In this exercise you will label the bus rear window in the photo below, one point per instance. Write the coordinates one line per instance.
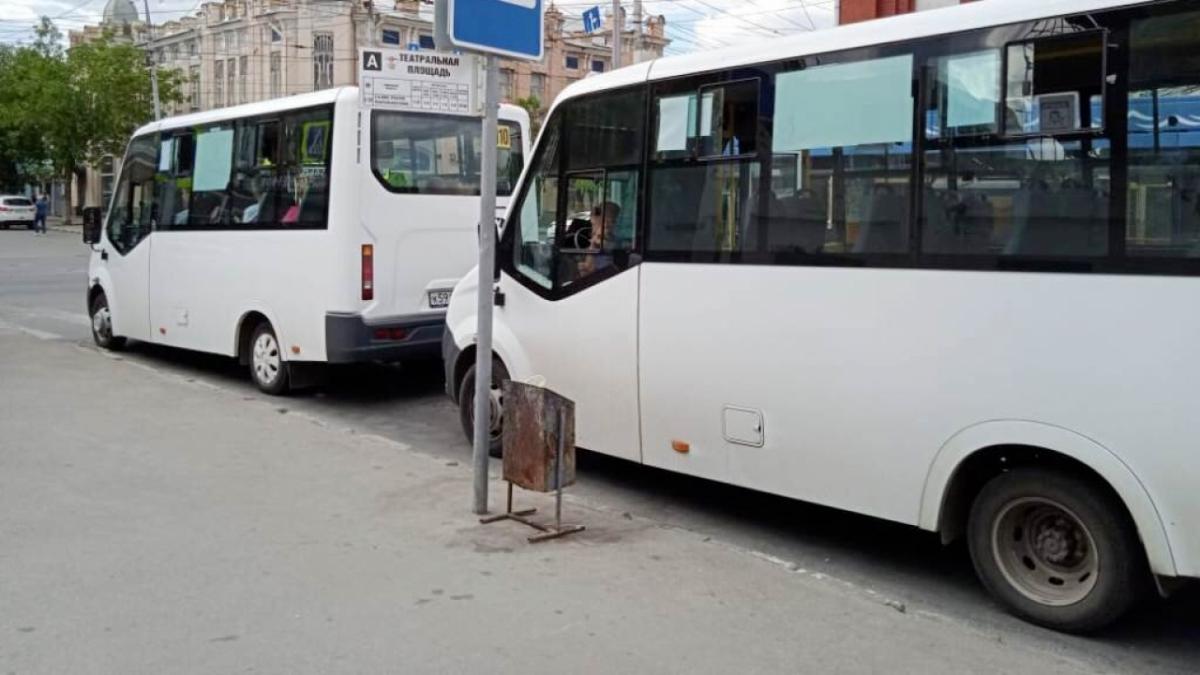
(440, 155)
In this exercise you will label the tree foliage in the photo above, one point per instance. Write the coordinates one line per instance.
(63, 108)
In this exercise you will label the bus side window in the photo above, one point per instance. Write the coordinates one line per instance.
(133, 212)
(1017, 166)
(604, 156)
(303, 177)
(174, 179)
(847, 166)
(709, 207)
(534, 221)
(1164, 137)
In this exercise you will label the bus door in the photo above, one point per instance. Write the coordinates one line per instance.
(570, 292)
(701, 359)
(125, 252)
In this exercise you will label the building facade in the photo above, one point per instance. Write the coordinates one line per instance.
(852, 11)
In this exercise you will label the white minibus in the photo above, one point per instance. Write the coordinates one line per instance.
(934, 269)
(295, 231)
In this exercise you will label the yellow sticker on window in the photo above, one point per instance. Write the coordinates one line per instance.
(504, 138)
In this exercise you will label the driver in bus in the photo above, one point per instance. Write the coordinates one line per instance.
(598, 254)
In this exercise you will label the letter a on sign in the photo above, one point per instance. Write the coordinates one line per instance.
(372, 61)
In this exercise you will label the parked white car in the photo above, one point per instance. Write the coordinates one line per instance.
(16, 210)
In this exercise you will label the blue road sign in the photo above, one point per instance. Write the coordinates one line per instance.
(592, 20)
(510, 28)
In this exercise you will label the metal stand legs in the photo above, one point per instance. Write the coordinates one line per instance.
(547, 533)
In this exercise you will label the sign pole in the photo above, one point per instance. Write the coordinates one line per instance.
(487, 260)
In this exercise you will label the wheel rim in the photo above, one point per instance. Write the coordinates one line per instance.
(102, 323)
(495, 412)
(1045, 551)
(266, 359)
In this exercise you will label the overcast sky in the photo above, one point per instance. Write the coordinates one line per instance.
(693, 24)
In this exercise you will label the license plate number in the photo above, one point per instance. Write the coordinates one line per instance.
(439, 299)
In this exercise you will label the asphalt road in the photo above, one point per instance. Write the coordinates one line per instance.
(42, 284)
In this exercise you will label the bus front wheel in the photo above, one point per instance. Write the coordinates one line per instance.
(466, 406)
(267, 366)
(1055, 549)
(102, 327)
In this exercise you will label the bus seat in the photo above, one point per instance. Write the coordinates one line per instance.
(885, 229)
(796, 224)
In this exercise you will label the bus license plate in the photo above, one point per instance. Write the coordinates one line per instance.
(439, 299)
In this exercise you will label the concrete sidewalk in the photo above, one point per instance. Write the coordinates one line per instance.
(154, 524)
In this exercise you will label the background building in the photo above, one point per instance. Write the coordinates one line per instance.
(851, 11)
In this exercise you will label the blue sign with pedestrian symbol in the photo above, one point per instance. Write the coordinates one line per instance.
(510, 28)
(592, 21)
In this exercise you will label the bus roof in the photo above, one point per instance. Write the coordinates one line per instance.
(276, 105)
(901, 28)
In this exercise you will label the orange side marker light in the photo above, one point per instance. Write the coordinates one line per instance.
(681, 447)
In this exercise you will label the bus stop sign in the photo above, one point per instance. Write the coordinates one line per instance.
(511, 28)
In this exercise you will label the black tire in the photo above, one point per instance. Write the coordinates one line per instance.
(102, 325)
(466, 406)
(268, 368)
(1093, 522)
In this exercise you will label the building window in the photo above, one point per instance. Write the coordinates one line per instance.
(537, 86)
(597, 66)
(507, 78)
(193, 47)
(322, 60)
(390, 37)
(572, 62)
(231, 81)
(276, 74)
(243, 62)
(194, 77)
(426, 42)
(276, 35)
(218, 84)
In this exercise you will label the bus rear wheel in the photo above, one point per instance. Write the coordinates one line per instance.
(466, 406)
(267, 366)
(1055, 549)
(102, 327)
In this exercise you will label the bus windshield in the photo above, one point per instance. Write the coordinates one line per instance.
(440, 155)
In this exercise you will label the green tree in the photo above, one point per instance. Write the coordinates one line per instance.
(533, 106)
(64, 109)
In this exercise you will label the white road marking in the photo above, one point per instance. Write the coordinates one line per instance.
(39, 334)
(74, 318)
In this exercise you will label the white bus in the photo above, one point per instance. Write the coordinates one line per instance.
(295, 231)
(933, 269)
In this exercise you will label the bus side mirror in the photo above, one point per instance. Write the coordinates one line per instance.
(91, 225)
(496, 250)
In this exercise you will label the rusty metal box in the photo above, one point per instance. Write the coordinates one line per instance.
(530, 438)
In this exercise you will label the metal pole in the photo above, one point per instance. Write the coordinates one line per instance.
(558, 467)
(616, 34)
(487, 259)
(153, 63)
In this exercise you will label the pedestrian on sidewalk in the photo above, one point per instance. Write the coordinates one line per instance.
(42, 207)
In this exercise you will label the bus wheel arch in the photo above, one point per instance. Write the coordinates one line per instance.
(245, 331)
(974, 456)
(464, 378)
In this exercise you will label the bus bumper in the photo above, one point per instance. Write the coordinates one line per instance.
(350, 338)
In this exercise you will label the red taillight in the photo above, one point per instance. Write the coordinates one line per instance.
(390, 334)
(3, 208)
(368, 272)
